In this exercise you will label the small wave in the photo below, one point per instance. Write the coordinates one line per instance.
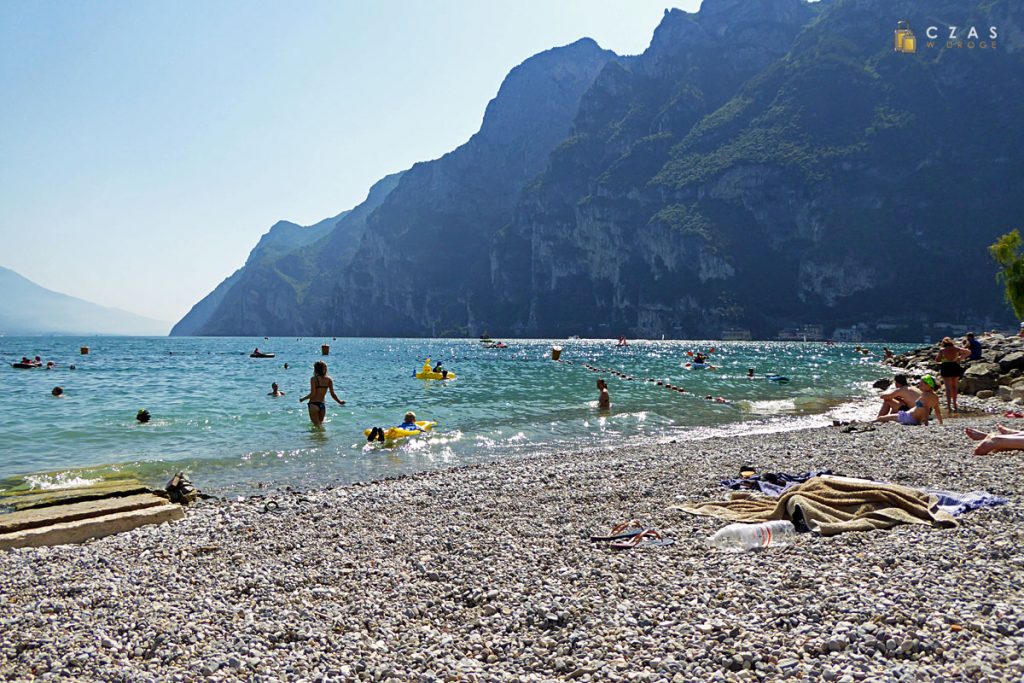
(55, 482)
(784, 406)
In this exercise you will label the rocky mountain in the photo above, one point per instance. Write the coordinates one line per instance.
(28, 309)
(764, 163)
(286, 255)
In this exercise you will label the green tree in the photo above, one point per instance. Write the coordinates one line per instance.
(1007, 253)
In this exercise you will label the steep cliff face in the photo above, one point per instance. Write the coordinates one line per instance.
(763, 163)
(282, 237)
(422, 267)
(270, 292)
(604, 249)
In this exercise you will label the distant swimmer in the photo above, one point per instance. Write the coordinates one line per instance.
(716, 399)
(285, 366)
(143, 416)
(57, 392)
(604, 399)
(319, 385)
(274, 391)
(50, 365)
(750, 373)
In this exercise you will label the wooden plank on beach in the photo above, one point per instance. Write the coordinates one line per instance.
(57, 514)
(38, 499)
(82, 530)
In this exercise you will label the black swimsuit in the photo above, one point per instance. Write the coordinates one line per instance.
(319, 404)
(951, 368)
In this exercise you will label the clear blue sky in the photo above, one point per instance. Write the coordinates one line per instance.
(145, 146)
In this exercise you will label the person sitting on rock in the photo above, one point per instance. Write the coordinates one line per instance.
(974, 345)
(901, 398)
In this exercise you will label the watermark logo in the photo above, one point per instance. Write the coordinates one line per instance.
(945, 38)
(903, 38)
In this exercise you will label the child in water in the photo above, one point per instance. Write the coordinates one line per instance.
(408, 424)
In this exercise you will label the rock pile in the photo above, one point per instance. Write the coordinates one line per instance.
(999, 373)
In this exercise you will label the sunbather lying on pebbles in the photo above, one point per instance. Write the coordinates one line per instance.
(1005, 439)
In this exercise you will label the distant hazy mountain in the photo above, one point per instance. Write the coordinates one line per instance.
(27, 308)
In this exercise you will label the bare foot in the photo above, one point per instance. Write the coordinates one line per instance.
(975, 434)
(985, 447)
(1006, 430)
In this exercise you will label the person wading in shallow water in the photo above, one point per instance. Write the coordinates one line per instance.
(319, 384)
(604, 400)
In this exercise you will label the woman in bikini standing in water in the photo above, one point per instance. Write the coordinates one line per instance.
(319, 385)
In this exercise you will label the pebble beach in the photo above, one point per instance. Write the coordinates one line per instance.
(486, 573)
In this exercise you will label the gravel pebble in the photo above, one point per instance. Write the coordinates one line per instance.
(486, 573)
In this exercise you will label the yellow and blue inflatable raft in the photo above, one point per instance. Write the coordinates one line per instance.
(396, 434)
(427, 372)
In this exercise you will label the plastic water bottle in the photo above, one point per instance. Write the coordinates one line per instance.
(740, 537)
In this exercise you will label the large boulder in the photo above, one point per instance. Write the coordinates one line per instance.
(979, 377)
(1012, 361)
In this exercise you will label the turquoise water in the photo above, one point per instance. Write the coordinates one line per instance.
(212, 416)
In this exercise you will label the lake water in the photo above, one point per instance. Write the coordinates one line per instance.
(212, 416)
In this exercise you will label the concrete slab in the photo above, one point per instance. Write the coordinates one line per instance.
(35, 499)
(82, 530)
(60, 514)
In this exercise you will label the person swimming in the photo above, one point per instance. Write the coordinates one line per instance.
(274, 391)
(319, 385)
(143, 416)
(57, 392)
(408, 424)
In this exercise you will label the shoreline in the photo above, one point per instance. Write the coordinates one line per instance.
(858, 407)
(484, 572)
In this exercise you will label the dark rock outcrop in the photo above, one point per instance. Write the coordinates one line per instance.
(1001, 365)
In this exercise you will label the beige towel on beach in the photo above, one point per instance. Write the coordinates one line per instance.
(832, 505)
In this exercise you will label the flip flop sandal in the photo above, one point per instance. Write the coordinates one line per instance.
(622, 531)
(649, 538)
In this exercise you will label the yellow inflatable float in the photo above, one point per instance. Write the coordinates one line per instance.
(396, 433)
(426, 372)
